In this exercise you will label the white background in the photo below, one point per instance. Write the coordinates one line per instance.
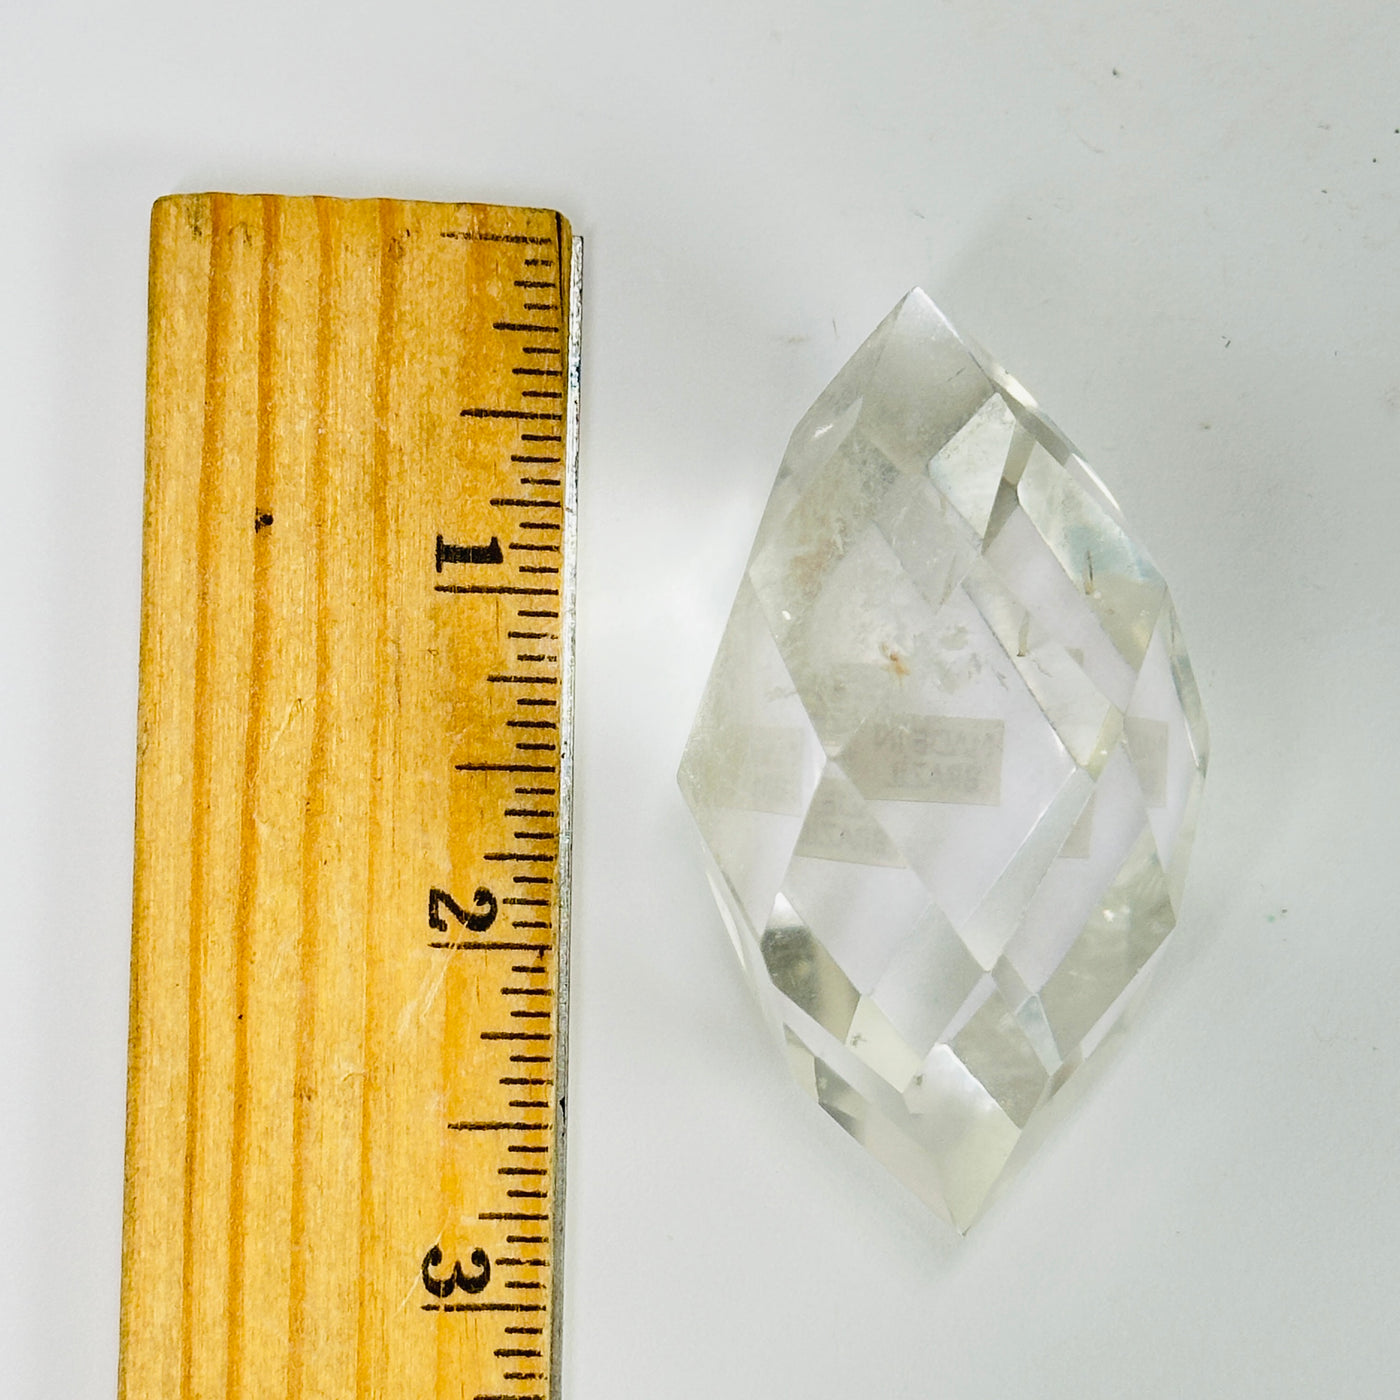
(1179, 225)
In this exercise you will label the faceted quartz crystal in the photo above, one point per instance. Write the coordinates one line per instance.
(948, 761)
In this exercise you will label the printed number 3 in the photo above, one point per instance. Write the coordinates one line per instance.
(445, 1286)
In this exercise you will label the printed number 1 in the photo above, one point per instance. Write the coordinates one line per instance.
(468, 553)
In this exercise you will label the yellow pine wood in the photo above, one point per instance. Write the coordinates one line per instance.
(298, 1049)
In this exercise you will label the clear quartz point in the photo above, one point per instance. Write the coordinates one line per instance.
(948, 761)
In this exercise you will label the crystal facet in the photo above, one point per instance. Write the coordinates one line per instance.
(948, 761)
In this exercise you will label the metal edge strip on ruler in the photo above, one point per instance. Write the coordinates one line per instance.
(566, 813)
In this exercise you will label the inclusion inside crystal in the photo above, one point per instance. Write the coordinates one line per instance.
(948, 761)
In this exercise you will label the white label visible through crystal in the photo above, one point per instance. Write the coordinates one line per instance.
(929, 758)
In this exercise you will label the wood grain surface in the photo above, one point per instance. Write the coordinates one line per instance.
(344, 1103)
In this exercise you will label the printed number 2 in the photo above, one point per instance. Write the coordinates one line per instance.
(478, 921)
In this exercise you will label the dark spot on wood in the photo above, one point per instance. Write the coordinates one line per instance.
(263, 520)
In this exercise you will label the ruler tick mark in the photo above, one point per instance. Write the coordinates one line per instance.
(488, 1307)
(472, 237)
(507, 589)
(526, 413)
(491, 947)
(502, 1127)
(505, 768)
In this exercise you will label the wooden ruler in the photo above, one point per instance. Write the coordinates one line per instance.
(345, 1124)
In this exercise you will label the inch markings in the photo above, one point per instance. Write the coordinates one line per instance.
(518, 582)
